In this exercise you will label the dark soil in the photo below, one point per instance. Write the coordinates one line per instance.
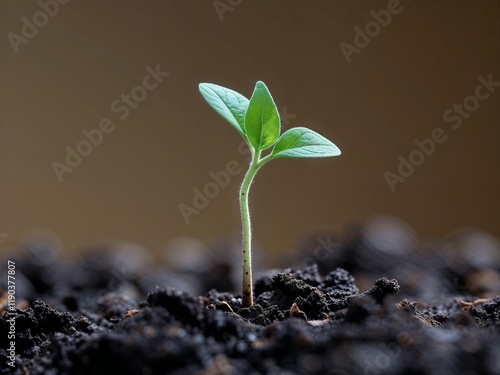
(85, 318)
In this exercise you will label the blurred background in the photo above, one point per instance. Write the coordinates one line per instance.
(131, 68)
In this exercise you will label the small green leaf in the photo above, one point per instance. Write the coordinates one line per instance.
(227, 103)
(303, 143)
(262, 120)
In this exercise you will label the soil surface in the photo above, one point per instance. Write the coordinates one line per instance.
(417, 312)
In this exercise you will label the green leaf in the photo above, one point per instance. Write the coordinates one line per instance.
(303, 143)
(227, 103)
(262, 120)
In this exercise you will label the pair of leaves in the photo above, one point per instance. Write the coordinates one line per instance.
(258, 122)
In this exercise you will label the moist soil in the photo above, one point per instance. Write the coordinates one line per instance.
(427, 315)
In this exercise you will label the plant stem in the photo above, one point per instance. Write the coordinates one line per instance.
(247, 293)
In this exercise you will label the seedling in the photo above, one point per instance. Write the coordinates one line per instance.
(258, 122)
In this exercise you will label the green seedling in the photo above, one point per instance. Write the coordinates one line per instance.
(258, 122)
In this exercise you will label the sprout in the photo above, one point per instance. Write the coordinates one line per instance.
(258, 122)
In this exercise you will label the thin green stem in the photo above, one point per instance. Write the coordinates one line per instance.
(247, 293)
(265, 159)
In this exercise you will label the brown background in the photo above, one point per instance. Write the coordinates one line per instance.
(396, 90)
